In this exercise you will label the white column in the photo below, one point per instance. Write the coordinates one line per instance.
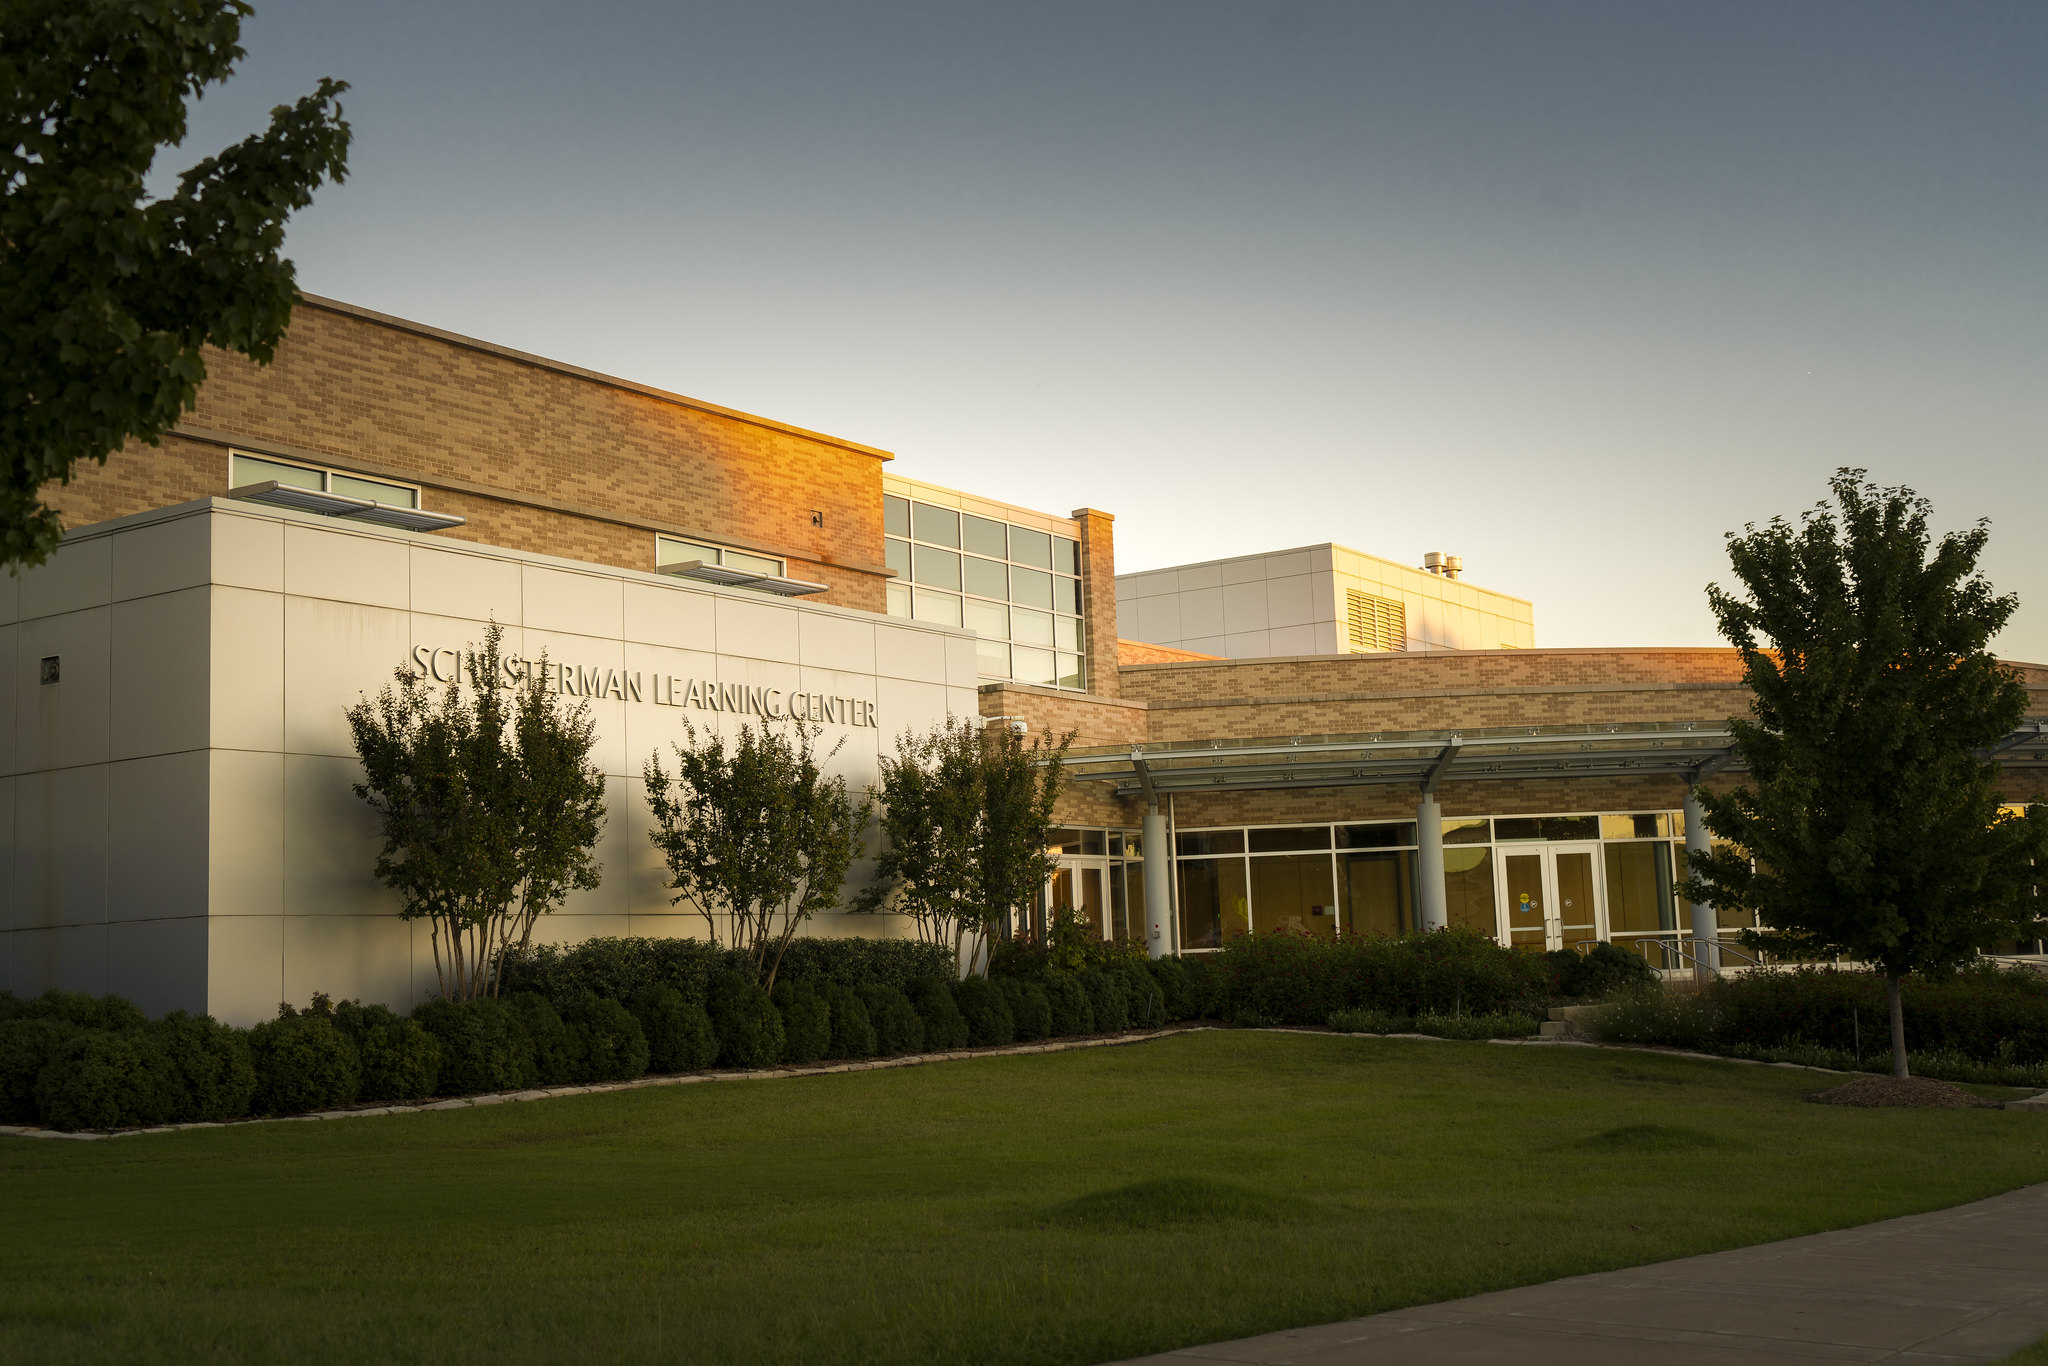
(1698, 842)
(1432, 908)
(1158, 885)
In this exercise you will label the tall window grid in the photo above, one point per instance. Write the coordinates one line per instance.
(1017, 588)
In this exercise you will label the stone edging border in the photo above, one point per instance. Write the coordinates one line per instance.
(638, 1083)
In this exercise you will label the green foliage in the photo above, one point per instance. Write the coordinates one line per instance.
(1495, 1025)
(1371, 1022)
(484, 1046)
(1030, 1007)
(853, 1033)
(400, 1059)
(302, 1063)
(1108, 1002)
(756, 836)
(1176, 999)
(944, 1027)
(552, 1053)
(1868, 825)
(98, 1079)
(965, 810)
(1602, 971)
(115, 1014)
(853, 961)
(1301, 980)
(806, 1021)
(107, 294)
(1985, 1013)
(748, 1026)
(488, 803)
(899, 1029)
(678, 1030)
(211, 1072)
(1147, 1000)
(27, 1043)
(605, 1042)
(1068, 1001)
(987, 1012)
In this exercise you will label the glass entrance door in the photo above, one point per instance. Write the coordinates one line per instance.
(1077, 885)
(1552, 895)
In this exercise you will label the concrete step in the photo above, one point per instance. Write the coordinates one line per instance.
(1555, 1029)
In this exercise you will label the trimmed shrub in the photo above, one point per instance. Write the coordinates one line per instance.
(679, 1037)
(602, 1040)
(853, 962)
(1602, 971)
(748, 1025)
(112, 1013)
(1030, 1008)
(1067, 999)
(1204, 980)
(618, 969)
(102, 1080)
(400, 1060)
(552, 1051)
(213, 1075)
(944, 1027)
(899, 1028)
(1106, 1000)
(1498, 1025)
(1370, 1022)
(1174, 994)
(10, 1006)
(986, 1011)
(484, 1045)
(1142, 991)
(27, 1043)
(302, 1063)
(806, 1021)
(853, 1033)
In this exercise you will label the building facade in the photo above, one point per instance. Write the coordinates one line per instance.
(175, 780)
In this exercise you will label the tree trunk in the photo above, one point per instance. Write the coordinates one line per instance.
(1898, 1027)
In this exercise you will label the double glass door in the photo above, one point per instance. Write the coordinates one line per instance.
(1553, 895)
(1078, 885)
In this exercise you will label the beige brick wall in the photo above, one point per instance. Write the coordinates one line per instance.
(539, 456)
(1098, 583)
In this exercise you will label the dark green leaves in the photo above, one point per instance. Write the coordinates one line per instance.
(107, 298)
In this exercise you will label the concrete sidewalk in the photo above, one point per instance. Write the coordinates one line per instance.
(1968, 1284)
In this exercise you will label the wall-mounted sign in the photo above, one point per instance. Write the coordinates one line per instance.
(661, 690)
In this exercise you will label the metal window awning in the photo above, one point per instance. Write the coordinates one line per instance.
(707, 572)
(1685, 750)
(340, 505)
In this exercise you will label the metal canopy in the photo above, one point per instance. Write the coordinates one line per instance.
(340, 505)
(706, 572)
(1679, 749)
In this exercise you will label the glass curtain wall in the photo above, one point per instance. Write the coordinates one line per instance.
(1017, 588)
(1319, 880)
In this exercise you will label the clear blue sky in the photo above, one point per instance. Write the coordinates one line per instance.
(1568, 289)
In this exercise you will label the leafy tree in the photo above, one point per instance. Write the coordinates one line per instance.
(108, 296)
(756, 837)
(490, 807)
(965, 810)
(1870, 824)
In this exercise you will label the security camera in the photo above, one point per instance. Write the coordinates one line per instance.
(1017, 725)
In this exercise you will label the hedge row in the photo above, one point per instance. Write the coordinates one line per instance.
(1291, 979)
(70, 1061)
(1985, 1013)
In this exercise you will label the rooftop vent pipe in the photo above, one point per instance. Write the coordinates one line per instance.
(1449, 566)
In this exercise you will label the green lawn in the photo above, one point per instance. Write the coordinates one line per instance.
(1067, 1207)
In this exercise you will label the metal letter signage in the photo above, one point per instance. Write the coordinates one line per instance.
(661, 690)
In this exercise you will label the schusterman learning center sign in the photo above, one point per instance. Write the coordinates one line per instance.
(663, 690)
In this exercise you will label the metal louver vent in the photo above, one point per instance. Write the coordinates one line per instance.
(1377, 625)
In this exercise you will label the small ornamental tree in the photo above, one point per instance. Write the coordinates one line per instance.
(108, 297)
(965, 813)
(490, 807)
(756, 837)
(1870, 824)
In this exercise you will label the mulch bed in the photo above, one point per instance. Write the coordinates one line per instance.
(1916, 1092)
